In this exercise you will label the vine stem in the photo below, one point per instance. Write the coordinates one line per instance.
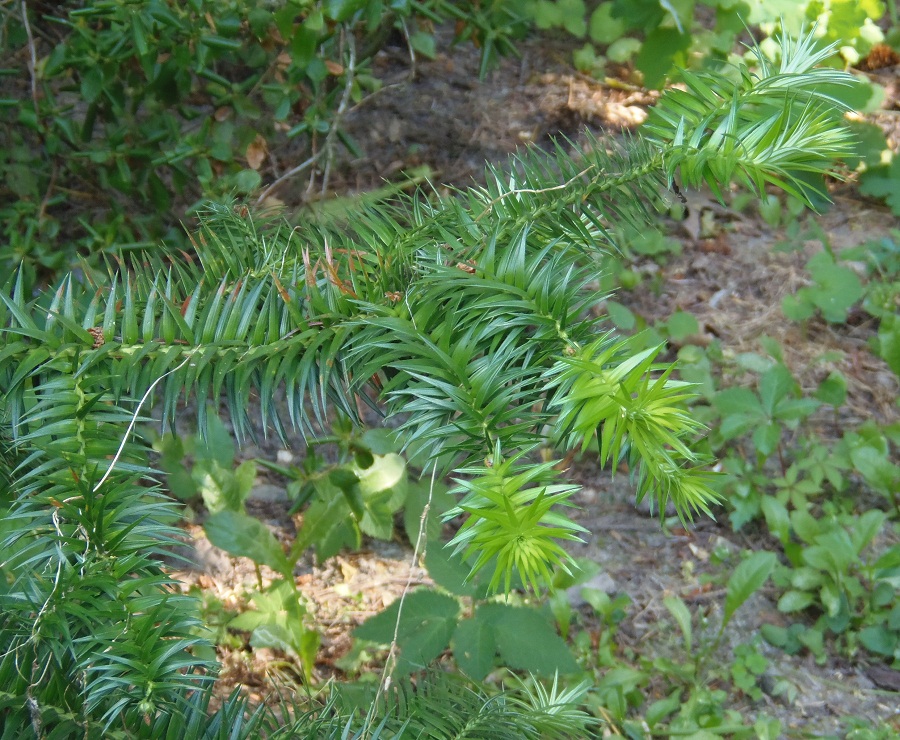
(134, 418)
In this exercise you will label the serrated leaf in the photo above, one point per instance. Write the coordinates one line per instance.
(426, 625)
(527, 640)
(244, 536)
(416, 499)
(448, 571)
(766, 438)
(474, 648)
(874, 466)
(882, 183)
(775, 385)
(738, 401)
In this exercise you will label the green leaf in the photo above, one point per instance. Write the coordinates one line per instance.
(328, 524)
(774, 635)
(603, 28)
(882, 183)
(223, 488)
(777, 518)
(879, 639)
(92, 84)
(794, 601)
(748, 577)
(216, 443)
(527, 640)
(682, 325)
(572, 17)
(245, 536)
(866, 528)
(662, 708)
(416, 500)
(345, 479)
(623, 49)
(889, 342)
(383, 489)
(837, 287)
(875, 467)
(795, 409)
(766, 438)
(678, 609)
(273, 636)
(247, 181)
(775, 385)
(474, 647)
(796, 307)
(621, 316)
(738, 401)
(805, 525)
(387, 473)
(342, 10)
(380, 441)
(308, 647)
(832, 599)
(546, 14)
(833, 389)
(658, 54)
(805, 578)
(427, 622)
(423, 43)
(448, 571)
(833, 552)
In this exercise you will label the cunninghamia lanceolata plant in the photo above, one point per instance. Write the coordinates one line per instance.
(468, 317)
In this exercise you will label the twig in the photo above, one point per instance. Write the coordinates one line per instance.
(49, 192)
(32, 58)
(328, 145)
(390, 661)
(350, 75)
(287, 175)
(410, 49)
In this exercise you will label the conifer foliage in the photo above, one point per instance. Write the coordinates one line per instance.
(470, 317)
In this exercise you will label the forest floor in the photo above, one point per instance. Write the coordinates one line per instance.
(726, 274)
